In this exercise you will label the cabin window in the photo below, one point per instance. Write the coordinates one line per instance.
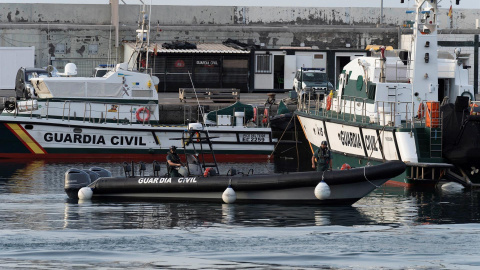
(77, 130)
(28, 126)
(263, 64)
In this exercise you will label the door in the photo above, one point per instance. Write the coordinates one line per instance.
(289, 71)
(278, 71)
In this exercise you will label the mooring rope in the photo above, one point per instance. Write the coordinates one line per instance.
(279, 140)
(364, 169)
(200, 108)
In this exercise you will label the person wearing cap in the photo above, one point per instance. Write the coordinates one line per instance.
(322, 157)
(173, 162)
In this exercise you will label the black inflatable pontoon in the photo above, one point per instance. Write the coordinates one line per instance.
(337, 188)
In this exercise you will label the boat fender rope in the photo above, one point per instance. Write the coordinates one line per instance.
(364, 174)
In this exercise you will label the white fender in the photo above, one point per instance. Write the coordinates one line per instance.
(322, 191)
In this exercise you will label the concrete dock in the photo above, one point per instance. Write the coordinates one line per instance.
(174, 111)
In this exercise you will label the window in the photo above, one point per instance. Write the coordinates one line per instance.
(92, 49)
(60, 48)
(263, 64)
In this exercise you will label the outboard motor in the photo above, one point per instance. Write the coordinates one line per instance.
(75, 179)
(93, 175)
(101, 172)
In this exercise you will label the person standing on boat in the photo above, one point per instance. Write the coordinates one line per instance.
(322, 157)
(173, 162)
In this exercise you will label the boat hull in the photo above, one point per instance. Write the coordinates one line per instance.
(75, 140)
(346, 186)
(359, 144)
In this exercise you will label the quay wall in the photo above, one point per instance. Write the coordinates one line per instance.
(84, 33)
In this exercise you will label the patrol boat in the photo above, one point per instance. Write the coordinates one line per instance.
(114, 116)
(412, 106)
(202, 181)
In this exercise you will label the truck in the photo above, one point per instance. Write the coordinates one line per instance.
(11, 60)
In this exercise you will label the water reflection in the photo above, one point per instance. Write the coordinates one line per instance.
(420, 207)
(193, 215)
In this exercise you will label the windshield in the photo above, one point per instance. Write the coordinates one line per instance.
(101, 72)
(35, 74)
(314, 77)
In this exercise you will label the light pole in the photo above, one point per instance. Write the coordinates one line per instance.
(381, 12)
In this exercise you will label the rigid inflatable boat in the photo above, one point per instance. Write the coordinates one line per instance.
(201, 182)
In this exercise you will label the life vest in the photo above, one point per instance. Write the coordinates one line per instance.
(207, 172)
(421, 111)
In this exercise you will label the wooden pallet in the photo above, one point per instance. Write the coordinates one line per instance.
(229, 95)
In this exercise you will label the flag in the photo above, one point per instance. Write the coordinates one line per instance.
(450, 12)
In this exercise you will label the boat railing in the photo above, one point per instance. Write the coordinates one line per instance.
(352, 110)
(390, 113)
(88, 108)
(85, 112)
(69, 106)
(358, 109)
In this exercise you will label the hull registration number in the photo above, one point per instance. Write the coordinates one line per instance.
(253, 137)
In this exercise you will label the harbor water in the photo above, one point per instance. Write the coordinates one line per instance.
(392, 228)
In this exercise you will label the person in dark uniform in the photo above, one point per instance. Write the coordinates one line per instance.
(173, 162)
(323, 158)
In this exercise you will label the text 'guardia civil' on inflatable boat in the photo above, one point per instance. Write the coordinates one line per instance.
(202, 182)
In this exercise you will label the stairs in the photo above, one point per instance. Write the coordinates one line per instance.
(435, 142)
(423, 142)
(429, 141)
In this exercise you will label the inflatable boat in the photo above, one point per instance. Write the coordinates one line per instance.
(201, 182)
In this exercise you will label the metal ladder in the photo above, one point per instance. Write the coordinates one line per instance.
(436, 139)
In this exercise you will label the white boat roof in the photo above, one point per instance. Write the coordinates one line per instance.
(116, 84)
